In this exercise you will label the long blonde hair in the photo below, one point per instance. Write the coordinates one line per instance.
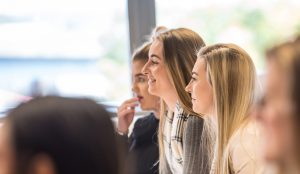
(180, 54)
(232, 75)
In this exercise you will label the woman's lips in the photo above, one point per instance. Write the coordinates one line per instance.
(140, 98)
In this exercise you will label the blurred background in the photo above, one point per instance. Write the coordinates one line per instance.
(81, 48)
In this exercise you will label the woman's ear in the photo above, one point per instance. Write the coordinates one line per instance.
(42, 164)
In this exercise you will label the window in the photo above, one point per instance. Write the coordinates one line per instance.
(253, 24)
(64, 47)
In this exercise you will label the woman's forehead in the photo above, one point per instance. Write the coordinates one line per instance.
(156, 44)
(200, 63)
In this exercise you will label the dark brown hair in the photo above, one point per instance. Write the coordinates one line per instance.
(77, 135)
(180, 48)
(141, 53)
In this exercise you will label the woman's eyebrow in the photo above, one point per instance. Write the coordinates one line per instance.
(139, 75)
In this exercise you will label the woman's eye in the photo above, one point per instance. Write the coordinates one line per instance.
(193, 79)
(154, 62)
(141, 80)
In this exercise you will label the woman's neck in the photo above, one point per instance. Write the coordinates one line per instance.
(156, 113)
(171, 102)
(212, 114)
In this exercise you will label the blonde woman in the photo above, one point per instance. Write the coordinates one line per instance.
(171, 58)
(279, 110)
(223, 90)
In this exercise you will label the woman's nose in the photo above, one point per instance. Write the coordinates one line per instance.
(145, 69)
(134, 87)
(188, 88)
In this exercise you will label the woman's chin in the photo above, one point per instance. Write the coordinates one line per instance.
(196, 109)
(271, 157)
(142, 107)
(271, 152)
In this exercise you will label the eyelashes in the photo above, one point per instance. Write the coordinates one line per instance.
(140, 79)
(193, 79)
(154, 62)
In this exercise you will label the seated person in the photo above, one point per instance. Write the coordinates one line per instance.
(142, 143)
(54, 135)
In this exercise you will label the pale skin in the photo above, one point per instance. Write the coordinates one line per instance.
(159, 82)
(200, 89)
(6, 151)
(142, 97)
(275, 116)
(203, 103)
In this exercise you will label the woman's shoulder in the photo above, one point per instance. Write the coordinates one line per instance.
(246, 134)
(191, 117)
(244, 148)
(194, 119)
(194, 126)
(150, 118)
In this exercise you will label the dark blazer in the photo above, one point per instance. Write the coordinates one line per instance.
(142, 145)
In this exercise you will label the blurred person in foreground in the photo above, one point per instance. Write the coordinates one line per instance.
(54, 135)
(279, 110)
